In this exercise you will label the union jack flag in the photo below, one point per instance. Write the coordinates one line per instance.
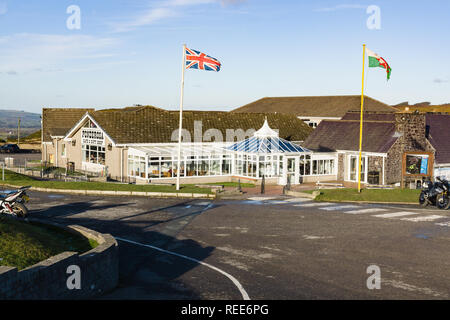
(198, 60)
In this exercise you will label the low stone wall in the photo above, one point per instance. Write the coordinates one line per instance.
(99, 272)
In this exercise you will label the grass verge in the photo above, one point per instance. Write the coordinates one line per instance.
(23, 244)
(371, 195)
(22, 180)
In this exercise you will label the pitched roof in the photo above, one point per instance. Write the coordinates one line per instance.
(318, 106)
(147, 124)
(332, 135)
(369, 116)
(58, 121)
(439, 136)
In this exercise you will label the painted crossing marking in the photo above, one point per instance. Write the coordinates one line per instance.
(443, 224)
(396, 214)
(425, 218)
(336, 208)
(313, 204)
(229, 276)
(202, 204)
(370, 210)
(261, 198)
(276, 202)
(293, 200)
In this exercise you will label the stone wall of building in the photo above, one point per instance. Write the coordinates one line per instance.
(99, 270)
(341, 167)
(375, 164)
(411, 127)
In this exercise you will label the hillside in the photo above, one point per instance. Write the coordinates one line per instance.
(8, 119)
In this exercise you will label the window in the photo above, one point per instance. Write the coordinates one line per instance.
(416, 164)
(353, 168)
(63, 150)
(93, 154)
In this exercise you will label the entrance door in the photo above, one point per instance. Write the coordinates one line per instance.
(292, 169)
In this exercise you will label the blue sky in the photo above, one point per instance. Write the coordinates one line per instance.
(129, 52)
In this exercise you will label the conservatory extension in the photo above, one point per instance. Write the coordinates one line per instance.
(263, 154)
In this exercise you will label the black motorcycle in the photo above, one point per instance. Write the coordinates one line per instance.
(12, 202)
(443, 198)
(429, 193)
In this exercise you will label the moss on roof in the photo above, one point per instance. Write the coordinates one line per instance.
(315, 106)
(148, 124)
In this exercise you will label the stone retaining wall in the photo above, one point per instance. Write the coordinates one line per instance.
(99, 270)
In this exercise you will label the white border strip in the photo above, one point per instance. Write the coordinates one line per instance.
(229, 276)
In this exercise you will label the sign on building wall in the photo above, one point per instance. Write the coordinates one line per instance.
(92, 136)
(417, 165)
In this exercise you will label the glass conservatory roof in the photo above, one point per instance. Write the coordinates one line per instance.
(267, 145)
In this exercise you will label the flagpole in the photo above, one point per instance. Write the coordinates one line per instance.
(183, 67)
(361, 122)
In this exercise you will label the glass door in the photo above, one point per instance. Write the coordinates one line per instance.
(291, 169)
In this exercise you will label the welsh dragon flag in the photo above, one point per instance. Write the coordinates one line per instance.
(376, 61)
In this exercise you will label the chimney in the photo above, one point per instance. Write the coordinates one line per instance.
(412, 127)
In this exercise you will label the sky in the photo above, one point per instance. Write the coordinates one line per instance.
(117, 53)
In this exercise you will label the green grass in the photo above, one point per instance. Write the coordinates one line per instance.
(372, 195)
(23, 244)
(22, 180)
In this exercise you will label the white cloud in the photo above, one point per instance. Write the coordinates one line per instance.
(3, 8)
(164, 10)
(341, 7)
(27, 52)
(440, 80)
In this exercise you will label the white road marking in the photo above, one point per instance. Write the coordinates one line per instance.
(425, 218)
(336, 208)
(202, 203)
(396, 214)
(313, 204)
(443, 224)
(260, 198)
(229, 276)
(276, 202)
(369, 210)
(297, 200)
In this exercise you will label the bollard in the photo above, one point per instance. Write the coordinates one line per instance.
(263, 185)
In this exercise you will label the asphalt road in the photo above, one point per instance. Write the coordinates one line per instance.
(288, 249)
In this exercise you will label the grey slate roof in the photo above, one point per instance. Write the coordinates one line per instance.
(332, 135)
(438, 133)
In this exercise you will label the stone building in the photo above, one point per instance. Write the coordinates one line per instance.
(397, 147)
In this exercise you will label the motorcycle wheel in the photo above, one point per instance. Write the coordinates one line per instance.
(442, 202)
(20, 210)
(422, 200)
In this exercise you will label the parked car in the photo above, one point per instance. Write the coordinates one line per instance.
(9, 148)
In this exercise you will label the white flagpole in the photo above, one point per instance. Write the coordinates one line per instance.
(181, 116)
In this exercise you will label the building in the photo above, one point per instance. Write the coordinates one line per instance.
(397, 147)
(141, 144)
(314, 109)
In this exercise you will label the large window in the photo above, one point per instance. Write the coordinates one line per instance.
(353, 168)
(190, 166)
(93, 154)
(316, 167)
(92, 144)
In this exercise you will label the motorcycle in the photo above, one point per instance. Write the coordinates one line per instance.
(12, 202)
(443, 198)
(429, 193)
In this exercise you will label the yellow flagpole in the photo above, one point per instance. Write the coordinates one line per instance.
(361, 122)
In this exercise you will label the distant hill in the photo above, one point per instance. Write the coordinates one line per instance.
(8, 119)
